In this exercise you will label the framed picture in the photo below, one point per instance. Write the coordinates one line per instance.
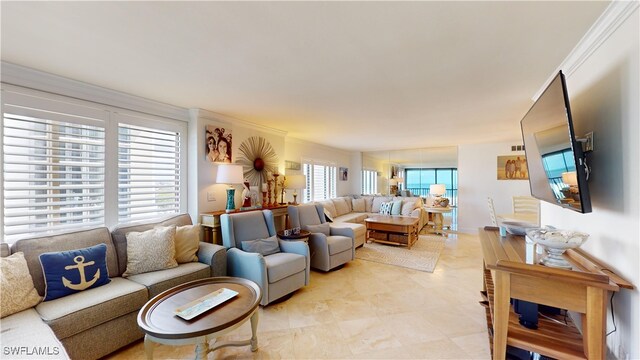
(512, 168)
(344, 174)
(218, 144)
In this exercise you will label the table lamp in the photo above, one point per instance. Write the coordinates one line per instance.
(295, 182)
(230, 175)
(437, 190)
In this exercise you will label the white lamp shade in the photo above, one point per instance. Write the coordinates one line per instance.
(570, 178)
(295, 182)
(400, 180)
(393, 182)
(437, 189)
(230, 174)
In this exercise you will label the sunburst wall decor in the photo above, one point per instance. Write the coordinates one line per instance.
(258, 158)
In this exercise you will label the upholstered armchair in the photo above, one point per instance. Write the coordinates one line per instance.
(277, 273)
(330, 246)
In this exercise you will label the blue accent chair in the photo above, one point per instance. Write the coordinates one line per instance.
(277, 274)
(327, 251)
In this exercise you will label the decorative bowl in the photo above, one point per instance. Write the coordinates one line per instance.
(557, 242)
(517, 227)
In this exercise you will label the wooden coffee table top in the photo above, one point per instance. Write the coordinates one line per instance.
(392, 220)
(157, 316)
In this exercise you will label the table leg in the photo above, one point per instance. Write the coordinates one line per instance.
(254, 331)
(202, 348)
(502, 291)
(148, 347)
(594, 327)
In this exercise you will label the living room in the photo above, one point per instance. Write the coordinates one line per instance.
(327, 83)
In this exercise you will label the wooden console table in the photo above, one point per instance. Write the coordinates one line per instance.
(211, 222)
(584, 290)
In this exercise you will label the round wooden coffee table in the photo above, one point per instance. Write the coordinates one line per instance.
(161, 325)
(302, 236)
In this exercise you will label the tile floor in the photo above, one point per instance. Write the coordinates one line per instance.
(368, 310)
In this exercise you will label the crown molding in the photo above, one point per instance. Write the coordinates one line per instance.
(39, 80)
(608, 22)
(230, 120)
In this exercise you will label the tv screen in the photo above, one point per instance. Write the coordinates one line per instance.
(557, 171)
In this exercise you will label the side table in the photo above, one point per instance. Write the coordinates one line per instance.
(302, 236)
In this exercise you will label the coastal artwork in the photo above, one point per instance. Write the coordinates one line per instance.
(512, 168)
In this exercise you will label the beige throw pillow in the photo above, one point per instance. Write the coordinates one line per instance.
(150, 250)
(16, 285)
(358, 205)
(187, 243)
(408, 205)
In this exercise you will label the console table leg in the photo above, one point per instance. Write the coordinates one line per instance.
(254, 331)
(501, 314)
(595, 326)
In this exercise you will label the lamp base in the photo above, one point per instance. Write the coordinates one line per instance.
(231, 203)
(295, 202)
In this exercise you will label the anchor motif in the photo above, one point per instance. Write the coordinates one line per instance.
(80, 265)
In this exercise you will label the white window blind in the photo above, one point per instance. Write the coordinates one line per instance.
(321, 181)
(369, 182)
(148, 172)
(53, 170)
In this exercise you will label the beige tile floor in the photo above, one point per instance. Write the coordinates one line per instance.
(367, 310)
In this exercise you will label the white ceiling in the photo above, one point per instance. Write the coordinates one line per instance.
(353, 75)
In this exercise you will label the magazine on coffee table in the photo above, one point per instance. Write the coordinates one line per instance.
(205, 303)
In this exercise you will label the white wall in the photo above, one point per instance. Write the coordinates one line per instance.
(296, 150)
(604, 93)
(477, 180)
(202, 173)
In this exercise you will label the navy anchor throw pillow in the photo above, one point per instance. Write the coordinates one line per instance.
(68, 272)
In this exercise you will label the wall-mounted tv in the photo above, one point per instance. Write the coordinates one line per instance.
(556, 164)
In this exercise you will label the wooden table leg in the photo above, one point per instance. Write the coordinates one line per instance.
(595, 323)
(501, 309)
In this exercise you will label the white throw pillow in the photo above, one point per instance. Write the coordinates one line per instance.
(408, 205)
(368, 203)
(151, 250)
(16, 285)
(358, 205)
(187, 242)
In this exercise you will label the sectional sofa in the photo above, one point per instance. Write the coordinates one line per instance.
(95, 322)
(355, 209)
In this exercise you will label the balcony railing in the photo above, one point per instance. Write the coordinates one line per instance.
(451, 194)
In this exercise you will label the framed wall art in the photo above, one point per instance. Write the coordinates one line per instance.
(512, 168)
(218, 144)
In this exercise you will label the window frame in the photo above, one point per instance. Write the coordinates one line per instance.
(29, 100)
(332, 185)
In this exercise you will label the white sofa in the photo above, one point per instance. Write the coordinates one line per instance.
(354, 209)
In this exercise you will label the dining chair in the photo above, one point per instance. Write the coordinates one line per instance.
(526, 205)
(492, 211)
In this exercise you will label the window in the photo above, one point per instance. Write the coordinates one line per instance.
(419, 180)
(369, 182)
(321, 181)
(54, 167)
(148, 172)
(61, 156)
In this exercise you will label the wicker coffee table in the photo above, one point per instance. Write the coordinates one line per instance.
(392, 229)
(161, 325)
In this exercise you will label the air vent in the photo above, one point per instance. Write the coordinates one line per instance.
(517, 147)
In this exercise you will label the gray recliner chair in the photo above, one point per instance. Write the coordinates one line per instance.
(334, 247)
(277, 274)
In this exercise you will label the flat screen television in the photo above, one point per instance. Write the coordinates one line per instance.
(556, 164)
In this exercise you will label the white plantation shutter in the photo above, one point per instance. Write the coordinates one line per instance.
(149, 172)
(369, 182)
(321, 181)
(53, 166)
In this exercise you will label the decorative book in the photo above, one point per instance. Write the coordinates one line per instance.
(205, 303)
